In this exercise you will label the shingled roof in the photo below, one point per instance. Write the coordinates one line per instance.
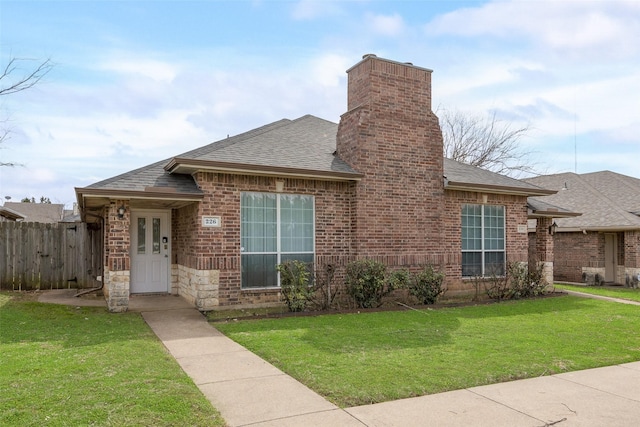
(33, 212)
(607, 200)
(304, 147)
(460, 176)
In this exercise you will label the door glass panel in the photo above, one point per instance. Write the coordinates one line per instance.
(156, 235)
(142, 235)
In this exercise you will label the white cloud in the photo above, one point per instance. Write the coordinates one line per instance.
(313, 9)
(386, 25)
(329, 69)
(156, 70)
(576, 27)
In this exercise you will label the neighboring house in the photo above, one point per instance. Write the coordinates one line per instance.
(603, 244)
(212, 224)
(32, 212)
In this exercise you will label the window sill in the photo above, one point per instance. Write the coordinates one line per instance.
(261, 290)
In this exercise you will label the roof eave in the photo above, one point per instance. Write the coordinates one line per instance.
(191, 166)
(86, 192)
(497, 189)
(604, 228)
(552, 214)
(10, 213)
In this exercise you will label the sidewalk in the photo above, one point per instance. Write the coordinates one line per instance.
(248, 391)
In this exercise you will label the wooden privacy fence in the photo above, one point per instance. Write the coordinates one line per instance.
(49, 256)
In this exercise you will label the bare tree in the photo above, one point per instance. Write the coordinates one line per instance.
(14, 79)
(485, 142)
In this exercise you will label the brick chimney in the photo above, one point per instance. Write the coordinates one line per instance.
(390, 135)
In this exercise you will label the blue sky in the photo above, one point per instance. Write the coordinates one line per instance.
(140, 81)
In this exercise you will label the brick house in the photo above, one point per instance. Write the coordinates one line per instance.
(602, 244)
(212, 224)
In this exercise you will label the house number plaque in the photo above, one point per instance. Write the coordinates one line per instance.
(211, 221)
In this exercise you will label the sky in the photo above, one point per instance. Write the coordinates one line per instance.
(135, 82)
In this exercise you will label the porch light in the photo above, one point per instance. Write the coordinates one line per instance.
(121, 211)
(552, 228)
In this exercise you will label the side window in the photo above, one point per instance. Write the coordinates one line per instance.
(483, 240)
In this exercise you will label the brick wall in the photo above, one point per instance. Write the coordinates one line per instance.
(632, 249)
(575, 251)
(116, 276)
(117, 237)
(199, 248)
(517, 244)
(390, 135)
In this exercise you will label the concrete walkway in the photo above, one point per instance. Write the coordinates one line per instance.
(248, 391)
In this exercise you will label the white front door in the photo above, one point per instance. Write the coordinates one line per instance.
(150, 251)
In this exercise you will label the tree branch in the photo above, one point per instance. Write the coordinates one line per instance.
(487, 143)
(26, 81)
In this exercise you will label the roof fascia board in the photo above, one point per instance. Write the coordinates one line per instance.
(553, 214)
(190, 166)
(497, 189)
(133, 194)
(604, 229)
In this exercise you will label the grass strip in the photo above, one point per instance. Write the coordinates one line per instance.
(356, 359)
(68, 366)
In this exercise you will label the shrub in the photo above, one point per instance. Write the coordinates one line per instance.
(367, 282)
(526, 281)
(519, 281)
(324, 290)
(426, 285)
(294, 284)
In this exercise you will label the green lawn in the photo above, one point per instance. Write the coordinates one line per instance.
(355, 359)
(615, 292)
(68, 366)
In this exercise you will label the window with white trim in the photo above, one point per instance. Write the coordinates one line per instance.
(483, 240)
(274, 228)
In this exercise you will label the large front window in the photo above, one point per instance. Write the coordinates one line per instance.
(483, 241)
(274, 228)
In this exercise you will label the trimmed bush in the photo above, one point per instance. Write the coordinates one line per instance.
(294, 284)
(426, 285)
(367, 282)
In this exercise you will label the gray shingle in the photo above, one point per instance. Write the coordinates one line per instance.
(600, 204)
(152, 175)
(37, 212)
(465, 174)
(307, 143)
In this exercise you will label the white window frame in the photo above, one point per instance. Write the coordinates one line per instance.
(483, 239)
(279, 252)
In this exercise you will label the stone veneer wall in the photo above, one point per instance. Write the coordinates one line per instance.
(116, 290)
(543, 253)
(199, 287)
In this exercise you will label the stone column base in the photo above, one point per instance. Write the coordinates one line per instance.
(116, 290)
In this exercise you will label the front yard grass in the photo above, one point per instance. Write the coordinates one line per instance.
(356, 359)
(68, 366)
(606, 291)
